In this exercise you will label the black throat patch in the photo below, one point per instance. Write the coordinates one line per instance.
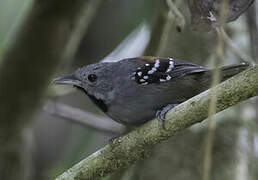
(100, 103)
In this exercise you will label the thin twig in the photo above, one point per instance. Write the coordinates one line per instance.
(157, 31)
(83, 25)
(165, 34)
(178, 16)
(212, 106)
(212, 109)
(236, 50)
(174, 16)
(252, 21)
(77, 115)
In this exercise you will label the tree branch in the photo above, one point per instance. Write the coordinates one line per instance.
(85, 118)
(127, 149)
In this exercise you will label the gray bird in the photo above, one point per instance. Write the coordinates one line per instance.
(135, 90)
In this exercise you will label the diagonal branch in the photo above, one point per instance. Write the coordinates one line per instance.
(127, 149)
(85, 118)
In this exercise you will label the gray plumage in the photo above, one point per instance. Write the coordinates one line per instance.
(132, 91)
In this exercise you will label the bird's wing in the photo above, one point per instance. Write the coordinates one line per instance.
(158, 70)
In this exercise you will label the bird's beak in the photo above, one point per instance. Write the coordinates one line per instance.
(68, 80)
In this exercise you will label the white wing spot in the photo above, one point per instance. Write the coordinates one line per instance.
(168, 78)
(156, 65)
(145, 77)
(150, 72)
(171, 66)
(139, 73)
(154, 69)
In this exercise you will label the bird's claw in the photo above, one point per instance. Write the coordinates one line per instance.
(161, 114)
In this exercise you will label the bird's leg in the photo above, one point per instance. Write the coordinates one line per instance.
(161, 114)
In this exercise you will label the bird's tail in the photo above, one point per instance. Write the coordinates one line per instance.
(231, 70)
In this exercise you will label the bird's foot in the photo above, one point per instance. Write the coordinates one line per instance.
(161, 114)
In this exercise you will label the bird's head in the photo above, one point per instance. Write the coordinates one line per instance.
(92, 79)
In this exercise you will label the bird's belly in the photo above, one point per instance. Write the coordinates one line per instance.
(132, 116)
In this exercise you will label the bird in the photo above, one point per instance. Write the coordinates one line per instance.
(133, 91)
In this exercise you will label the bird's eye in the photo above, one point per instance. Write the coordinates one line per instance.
(92, 77)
